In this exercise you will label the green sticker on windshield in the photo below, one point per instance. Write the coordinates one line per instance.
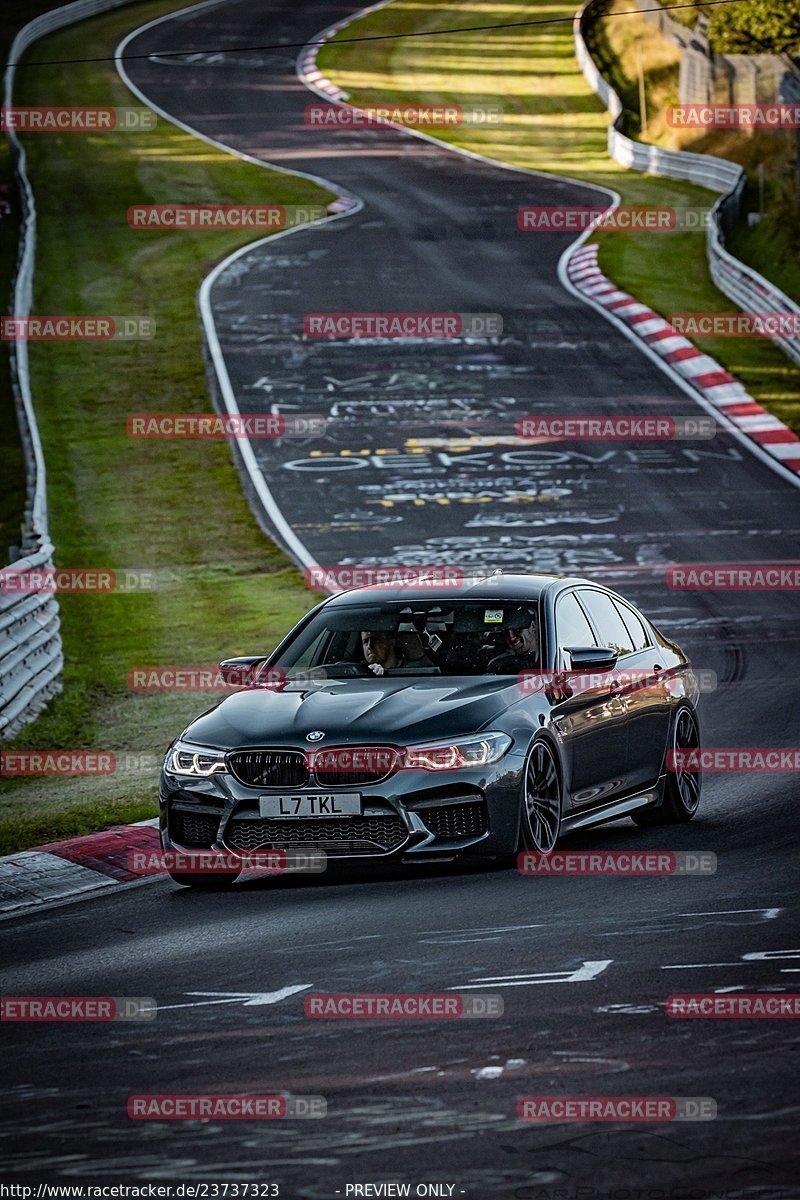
(493, 616)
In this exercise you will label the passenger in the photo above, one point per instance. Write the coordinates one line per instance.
(523, 649)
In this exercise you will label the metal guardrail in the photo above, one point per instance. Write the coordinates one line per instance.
(31, 653)
(740, 283)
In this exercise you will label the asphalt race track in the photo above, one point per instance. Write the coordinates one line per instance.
(435, 1101)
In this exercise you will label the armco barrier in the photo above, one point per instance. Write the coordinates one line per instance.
(31, 656)
(740, 283)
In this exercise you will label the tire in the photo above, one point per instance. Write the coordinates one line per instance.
(208, 883)
(540, 818)
(682, 788)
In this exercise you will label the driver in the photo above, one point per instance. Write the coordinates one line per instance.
(523, 648)
(381, 651)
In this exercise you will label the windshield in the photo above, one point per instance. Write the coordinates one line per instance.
(385, 638)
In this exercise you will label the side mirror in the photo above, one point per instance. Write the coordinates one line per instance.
(591, 658)
(242, 672)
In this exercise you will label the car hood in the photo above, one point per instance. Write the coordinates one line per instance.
(398, 711)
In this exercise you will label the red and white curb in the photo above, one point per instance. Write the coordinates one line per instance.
(716, 385)
(307, 67)
(312, 74)
(62, 870)
(309, 73)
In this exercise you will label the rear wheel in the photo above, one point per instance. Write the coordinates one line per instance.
(213, 882)
(682, 788)
(541, 800)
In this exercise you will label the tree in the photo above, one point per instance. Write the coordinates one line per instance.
(756, 27)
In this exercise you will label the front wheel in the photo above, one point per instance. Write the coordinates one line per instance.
(541, 800)
(682, 788)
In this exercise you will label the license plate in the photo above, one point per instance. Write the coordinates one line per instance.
(328, 804)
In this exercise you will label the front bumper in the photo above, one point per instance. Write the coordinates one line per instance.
(410, 815)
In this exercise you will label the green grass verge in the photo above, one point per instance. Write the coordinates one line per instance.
(116, 502)
(554, 123)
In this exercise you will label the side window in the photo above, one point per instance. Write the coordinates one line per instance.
(312, 653)
(610, 625)
(633, 623)
(572, 627)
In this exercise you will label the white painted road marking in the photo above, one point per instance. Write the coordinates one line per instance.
(755, 956)
(445, 937)
(589, 970)
(476, 933)
(770, 914)
(766, 955)
(248, 999)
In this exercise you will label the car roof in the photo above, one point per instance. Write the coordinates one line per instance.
(497, 587)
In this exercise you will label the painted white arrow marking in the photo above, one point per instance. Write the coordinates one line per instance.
(472, 935)
(756, 956)
(770, 914)
(764, 955)
(479, 929)
(354, 383)
(691, 966)
(248, 999)
(188, 60)
(589, 970)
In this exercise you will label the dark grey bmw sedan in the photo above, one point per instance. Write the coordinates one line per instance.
(425, 723)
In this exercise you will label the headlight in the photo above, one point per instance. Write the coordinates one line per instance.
(185, 759)
(450, 756)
